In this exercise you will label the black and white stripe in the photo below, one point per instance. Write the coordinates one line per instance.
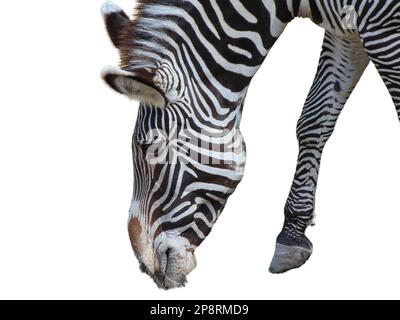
(200, 56)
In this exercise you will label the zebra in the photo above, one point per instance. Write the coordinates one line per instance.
(190, 63)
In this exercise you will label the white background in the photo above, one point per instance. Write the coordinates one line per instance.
(66, 174)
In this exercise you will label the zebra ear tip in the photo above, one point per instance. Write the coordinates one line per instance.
(108, 8)
(115, 20)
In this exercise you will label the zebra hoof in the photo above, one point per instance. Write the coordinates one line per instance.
(290, 254)
(288, 257)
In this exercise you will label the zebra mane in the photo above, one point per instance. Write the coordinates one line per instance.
(133, 34)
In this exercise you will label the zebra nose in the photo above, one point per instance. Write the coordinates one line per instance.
(174, 265)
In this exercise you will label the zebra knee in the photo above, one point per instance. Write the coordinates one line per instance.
(313, 131)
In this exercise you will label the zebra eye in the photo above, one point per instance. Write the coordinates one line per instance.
(150, 138)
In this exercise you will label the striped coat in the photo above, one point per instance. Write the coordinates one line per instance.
(190, 64)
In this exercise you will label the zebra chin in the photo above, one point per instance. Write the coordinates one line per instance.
(167, 260)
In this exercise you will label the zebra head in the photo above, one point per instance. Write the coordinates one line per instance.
(188, 152)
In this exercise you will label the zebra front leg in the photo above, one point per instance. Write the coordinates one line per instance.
(341, 65)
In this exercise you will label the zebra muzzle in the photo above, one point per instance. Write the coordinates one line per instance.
(174, 264)
(167, 261)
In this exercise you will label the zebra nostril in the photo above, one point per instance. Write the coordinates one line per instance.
(163, 261)
(167, 255)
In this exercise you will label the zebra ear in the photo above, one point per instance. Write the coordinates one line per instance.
(115, 19)
(137, 85)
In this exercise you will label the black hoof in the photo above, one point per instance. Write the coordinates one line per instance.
(290, 254)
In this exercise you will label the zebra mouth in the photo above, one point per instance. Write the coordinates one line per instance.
(172, 269)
